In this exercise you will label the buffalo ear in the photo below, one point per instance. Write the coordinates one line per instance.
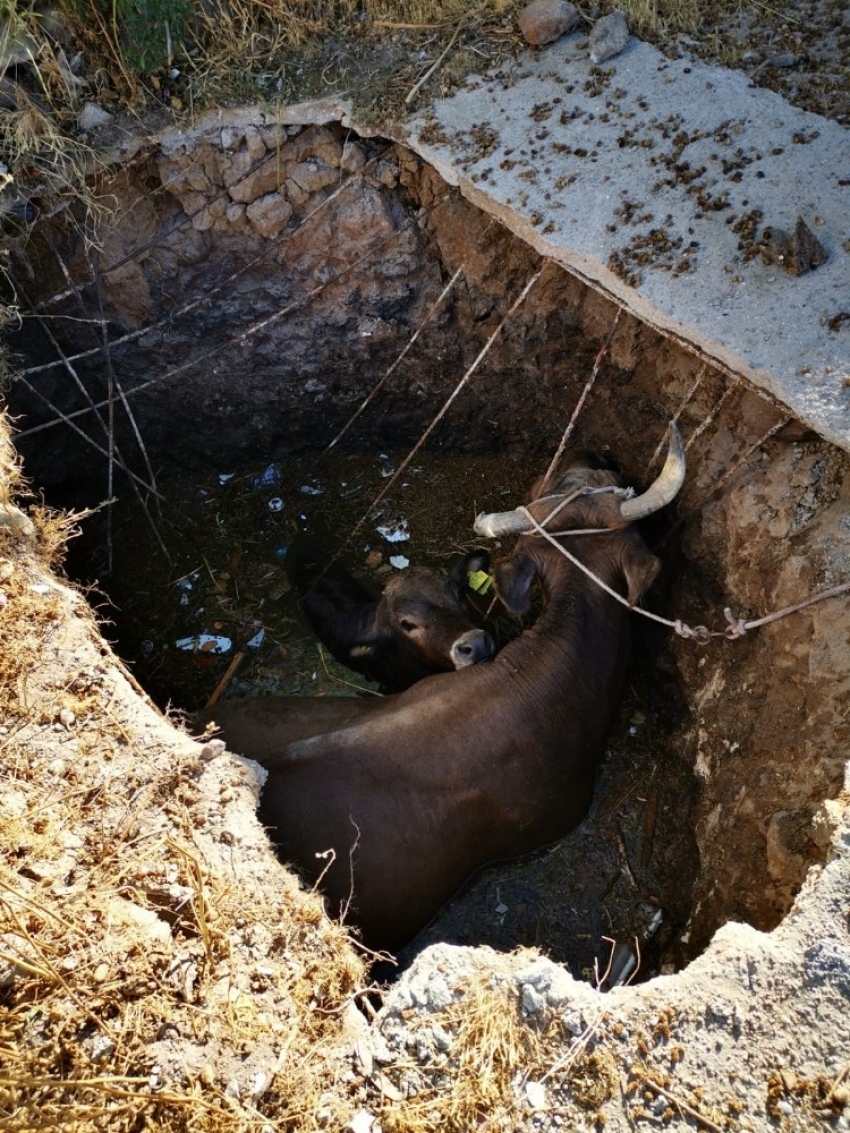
(513, 582)
(640, 567)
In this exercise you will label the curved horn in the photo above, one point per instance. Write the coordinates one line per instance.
(497, 523)
(662, 490)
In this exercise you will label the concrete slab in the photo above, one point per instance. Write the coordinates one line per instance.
(649, 178)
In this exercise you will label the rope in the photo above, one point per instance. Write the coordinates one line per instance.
(588, 385)
(736, 628)
(675, 419)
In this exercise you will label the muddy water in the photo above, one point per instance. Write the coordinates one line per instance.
(222, 590)
(223, 579)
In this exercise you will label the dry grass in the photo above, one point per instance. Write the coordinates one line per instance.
(373, 52)
(492, 1051)
(141, 983)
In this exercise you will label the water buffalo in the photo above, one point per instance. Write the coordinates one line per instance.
(393, 806)
(417, 626)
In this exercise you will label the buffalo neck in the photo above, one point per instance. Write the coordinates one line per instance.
(579, 630)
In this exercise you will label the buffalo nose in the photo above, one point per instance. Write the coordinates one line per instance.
(473, 646)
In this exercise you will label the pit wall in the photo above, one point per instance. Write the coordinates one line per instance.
(765, 726)
(253, 220)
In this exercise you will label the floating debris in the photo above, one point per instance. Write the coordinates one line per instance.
(310, 490)
(205, 643)
(268, 478)
(399, 562)
(394, 532)
(257, 640)
(275, 504)
(387, 466)
(225, 477)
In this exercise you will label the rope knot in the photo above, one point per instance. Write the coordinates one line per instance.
(699, 634)
(736, 628)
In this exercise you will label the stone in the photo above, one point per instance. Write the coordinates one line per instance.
(544, 21)
(14, 520)
(796, 252)
(295, 193)
(273, 136)
(231, 137)
(317, 142)
(269, 215)
(236, 166)
(266, 178)
(102, 1047)
(254, 143)
(235, 215)
(532, 1001)
(536, 1094)
(314, 174)
(608, 38)
(353, 157)
(362, 1122)
(386, 173)
(203, 215)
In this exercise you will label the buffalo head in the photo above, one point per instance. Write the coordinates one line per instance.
(418, 625)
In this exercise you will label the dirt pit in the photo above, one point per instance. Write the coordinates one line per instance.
(247, 318)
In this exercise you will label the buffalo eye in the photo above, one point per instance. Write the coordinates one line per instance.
(408, 626)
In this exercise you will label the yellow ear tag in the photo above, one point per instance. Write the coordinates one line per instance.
(479, 581)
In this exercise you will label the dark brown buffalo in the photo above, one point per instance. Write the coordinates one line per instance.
(417, 626)
(395, 805)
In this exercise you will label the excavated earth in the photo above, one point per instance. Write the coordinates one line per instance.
(256, 281)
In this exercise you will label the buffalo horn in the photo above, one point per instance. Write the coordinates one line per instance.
(659, 493)
(501, 523)
(663, 489)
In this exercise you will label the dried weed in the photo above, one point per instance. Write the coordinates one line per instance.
(492, 1048)
(143, 981)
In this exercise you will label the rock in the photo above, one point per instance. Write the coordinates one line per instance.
(785, 59)
(609, 36)
(231, 137)
(317, 142)
(532, 1001)
(353, 157)
(102, 1047)
(314, 174)
(254, 142)
(386, 173)
(14, 519)
(205, 217)
(362, 1122)
(544, 21)
(235, 216)
(273, 136)
(251, 183)
(92, 116)
(797, 253)
(269, 215)
(295, 193)
(236, 166)
(17, 50)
